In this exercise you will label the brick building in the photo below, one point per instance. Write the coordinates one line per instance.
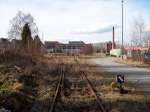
(73, 47)
(4, 43)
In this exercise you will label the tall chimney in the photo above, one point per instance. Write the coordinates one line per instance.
(113, 39)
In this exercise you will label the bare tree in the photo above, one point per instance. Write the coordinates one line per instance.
(137, 32)
(17, 23)
(146, 38)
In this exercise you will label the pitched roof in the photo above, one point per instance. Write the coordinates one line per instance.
(76, 42)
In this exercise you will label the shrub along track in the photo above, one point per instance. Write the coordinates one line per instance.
(46, 92)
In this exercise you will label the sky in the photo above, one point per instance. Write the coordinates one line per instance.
(73, 20)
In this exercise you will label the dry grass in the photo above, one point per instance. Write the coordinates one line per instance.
(133, 101)
(32, 81)
(134, 63)
(22, 75)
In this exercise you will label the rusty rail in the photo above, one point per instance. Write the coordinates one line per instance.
(58, 90)
(60, 87)
(98, 99)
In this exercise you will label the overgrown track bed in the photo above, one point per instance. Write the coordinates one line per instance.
(75, 93)
(97, 97)
(58, 92)
(92, 89)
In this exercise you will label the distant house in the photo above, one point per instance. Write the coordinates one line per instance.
(4, 43)
(16, 43)
(105, 47)
(38, 46)
(87, 49)
(52, 46)
(73, 47)
(138, 53)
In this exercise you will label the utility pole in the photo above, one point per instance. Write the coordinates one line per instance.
(122, 31)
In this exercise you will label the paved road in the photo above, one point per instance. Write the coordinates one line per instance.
(139, 76)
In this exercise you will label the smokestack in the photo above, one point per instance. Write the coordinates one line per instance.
(113, 39)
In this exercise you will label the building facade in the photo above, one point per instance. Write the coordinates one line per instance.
(73, 47)
(4, 43)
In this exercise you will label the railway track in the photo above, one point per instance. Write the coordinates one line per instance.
(46, 97)
(90, 85)
(60, 88)
(58, 92)
(98, 99)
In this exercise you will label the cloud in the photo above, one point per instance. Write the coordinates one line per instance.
(72, 19)
(106, 29)
(147, 28)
